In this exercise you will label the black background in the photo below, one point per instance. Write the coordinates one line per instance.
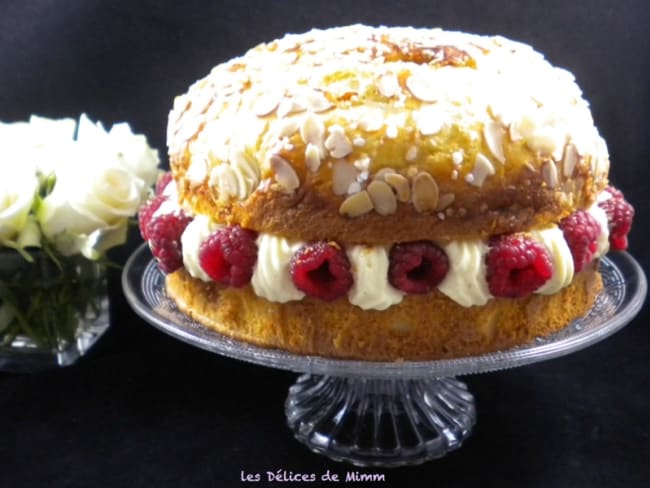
(145, 410)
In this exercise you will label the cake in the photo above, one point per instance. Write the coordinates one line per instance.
(385, 194)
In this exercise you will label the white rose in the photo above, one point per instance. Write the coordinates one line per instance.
(134, 153)
(51, 140)
(131, 151)
(17, 192)
(91, 201)
(41, 143)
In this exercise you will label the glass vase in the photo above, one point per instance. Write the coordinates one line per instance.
(53, 308)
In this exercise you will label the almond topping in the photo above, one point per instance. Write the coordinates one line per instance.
(288, 106)
(411, 154)
(343, 175)
(493, 135)
(425, 192)
(445, 200)
(549, 173)
(515, 135)
(285, 175)
(383, 198)
(337, 143)
(388, 85)
(312, 130)
(268, 102)
(355, 187)
(422, 88)
(429, 120)
(312, 157)
(400, 184)
(382, 173)
(570, 159)
(288, 127)
(316, 101)
(371, 119)
(482, 169)
(356, 205)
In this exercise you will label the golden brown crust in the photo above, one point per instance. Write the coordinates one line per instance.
(421, 327)
(288, 138)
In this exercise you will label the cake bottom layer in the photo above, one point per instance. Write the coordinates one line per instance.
(421, 327)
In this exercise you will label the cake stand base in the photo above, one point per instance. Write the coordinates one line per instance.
(380, 422)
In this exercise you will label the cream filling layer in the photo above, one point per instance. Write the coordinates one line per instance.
(465, 282)
(271, 277)
(371, 289)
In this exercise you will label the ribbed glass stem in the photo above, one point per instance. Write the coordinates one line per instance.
(380, 422)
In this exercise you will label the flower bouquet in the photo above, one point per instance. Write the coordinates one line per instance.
(68, 192)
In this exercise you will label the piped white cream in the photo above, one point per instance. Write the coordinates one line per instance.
(371, 289)
(271, 277)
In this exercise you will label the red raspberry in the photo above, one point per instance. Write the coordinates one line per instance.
(228, 255)
(163, 181)
(517, 266)
(581, 232)
(619, 219)
(417, 267)
(145, 213)
(164, 233)
(321, 270)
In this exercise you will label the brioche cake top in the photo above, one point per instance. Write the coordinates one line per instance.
(372, 118)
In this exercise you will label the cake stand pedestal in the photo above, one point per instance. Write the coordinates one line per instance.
(387, 414)
(380, 422)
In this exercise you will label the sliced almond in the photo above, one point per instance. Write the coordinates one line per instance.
(356, 205)
(411, 154)
(371, 119)
(312, 130)
(285, 175)
(423, 87)
(312, 157)
(288, 127)
(267, 102)
(493, 135)
(382, 173)
(429, 120)
(383, 198)
(316, 101)
(549, 173)
(343, 175)
(388, 85)
(445, 200)
(355, 187)
(425, 192)
(483, 167)
(515, 135)
(400, 184)
(337, 142)
(570, 159)
(289, 105)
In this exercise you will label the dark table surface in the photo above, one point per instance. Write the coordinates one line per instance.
(143, 409)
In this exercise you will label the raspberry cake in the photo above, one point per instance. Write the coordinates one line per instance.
(385, 194)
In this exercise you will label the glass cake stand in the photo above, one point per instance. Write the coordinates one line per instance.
(387, 413)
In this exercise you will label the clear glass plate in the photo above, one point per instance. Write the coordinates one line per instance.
(387, 414)
(623, 295)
